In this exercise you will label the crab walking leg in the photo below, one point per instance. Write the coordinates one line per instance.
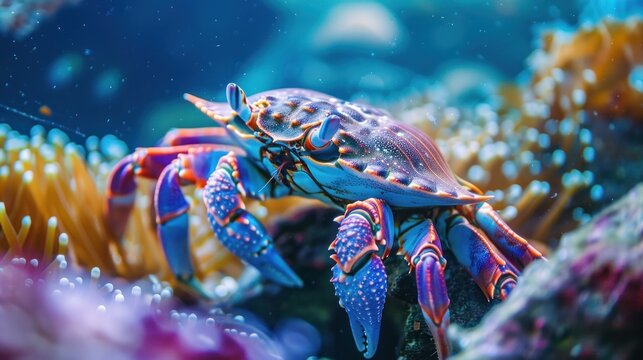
(121, 184)
(237, 229)
(512, 245)
(493, 273)
(359, 276)
(206, 135)
(421, 248)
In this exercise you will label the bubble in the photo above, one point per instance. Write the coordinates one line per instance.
(108, 83)
(65, 69)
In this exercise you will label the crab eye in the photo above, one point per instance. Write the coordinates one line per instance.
(238, 102)
(320, 137)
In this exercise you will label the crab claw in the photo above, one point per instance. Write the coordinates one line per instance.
(237, 229)
(363, 294)
(256, 248)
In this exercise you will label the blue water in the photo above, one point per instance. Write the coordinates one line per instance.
(121, 66)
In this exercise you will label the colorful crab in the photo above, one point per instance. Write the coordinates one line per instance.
(389, 178)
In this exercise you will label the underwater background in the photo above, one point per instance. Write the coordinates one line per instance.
(538, 103)
(122, 67)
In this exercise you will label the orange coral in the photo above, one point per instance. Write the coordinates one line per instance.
(52, 202)
(590, 69)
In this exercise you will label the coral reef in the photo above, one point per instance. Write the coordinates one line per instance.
(533, 154)
(584, 302)
(468, 306)
(66, 314)
(51, 207)
(52, 202)
(527, 162)
(547, 175)
(597, 68)
(552, 152)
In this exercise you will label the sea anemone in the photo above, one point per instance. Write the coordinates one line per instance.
(538, 154)
(598, 68)
(52, 203)
(532, 165)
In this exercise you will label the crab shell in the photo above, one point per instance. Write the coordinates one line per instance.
(377, 156)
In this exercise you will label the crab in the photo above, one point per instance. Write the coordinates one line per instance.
(390, 180)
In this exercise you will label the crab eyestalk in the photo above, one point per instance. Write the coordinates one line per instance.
(321, 136)
(238, 101)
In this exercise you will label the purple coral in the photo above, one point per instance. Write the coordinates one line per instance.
(586, 302)
(63, 315)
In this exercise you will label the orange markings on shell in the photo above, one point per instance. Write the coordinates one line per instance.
(277, 116)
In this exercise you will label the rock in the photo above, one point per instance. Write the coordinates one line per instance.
(585, 302)
(468, 306)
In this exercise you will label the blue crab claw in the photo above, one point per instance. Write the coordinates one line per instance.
(237, 229)
(363, 294)
(246, 238)
(271, 265)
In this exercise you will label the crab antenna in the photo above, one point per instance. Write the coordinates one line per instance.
(326, 131)
(237, 101)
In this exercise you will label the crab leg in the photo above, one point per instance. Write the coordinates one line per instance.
(237, 229)
(171, 206)
(206, 135)
(512, 245)
(421, 248)
(493, 273)
(121, 188)
(359, 276)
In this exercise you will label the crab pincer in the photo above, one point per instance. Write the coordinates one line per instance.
(359, 275)
(236, 228)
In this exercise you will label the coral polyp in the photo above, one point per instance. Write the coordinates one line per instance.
(537, 147)
(597, 69)
(51, 201)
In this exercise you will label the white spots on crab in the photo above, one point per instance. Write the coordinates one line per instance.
(363, 295)
(354, 236)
